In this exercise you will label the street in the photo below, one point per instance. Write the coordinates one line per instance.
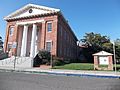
(26, 81)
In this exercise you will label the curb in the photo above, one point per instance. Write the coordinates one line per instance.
(65, 74)
(87, 75)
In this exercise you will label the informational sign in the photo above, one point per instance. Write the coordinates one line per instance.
(103, 60)
(14, 45)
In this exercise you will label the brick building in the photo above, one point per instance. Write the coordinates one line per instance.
(103, 61)
(35, 27)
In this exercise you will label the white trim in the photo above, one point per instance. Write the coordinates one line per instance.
(48, 40)
(13, 29)
(10, 42)
(31, 6)
(102, 53)
(12, 26)
(30, 22)
(49, 22)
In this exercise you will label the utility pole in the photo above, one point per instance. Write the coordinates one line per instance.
(114, 56)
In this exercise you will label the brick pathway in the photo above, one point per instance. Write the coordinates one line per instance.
(45, 67)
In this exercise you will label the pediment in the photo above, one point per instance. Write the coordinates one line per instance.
(102, 53)
(30, 10)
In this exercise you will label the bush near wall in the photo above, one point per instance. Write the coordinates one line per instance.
(57, 61)
(61, 61)
(3, 55)
(45, 56)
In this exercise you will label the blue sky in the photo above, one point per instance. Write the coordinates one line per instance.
(99, 16)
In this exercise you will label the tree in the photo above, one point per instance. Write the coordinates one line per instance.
(95, 43)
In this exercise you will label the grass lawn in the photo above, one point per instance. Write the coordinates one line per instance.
(79, 66)
(118, 67)
(76, 66)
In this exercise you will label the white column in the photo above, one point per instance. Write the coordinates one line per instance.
(24, 41)
(33, 41)
(36, 44)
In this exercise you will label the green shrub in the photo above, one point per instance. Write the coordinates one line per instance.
(67, 61)
(45, 56)
(3, 55)
(57, 61)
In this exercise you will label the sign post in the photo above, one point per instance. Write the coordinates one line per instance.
(14, 45)
(51, 61)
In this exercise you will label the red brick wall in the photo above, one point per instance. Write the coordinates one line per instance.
(68, 44)
(6, 37)
(44, 35)
(53, 34)
(9, 38)
(96, 62)
(110, 66)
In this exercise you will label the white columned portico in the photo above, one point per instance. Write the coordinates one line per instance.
(33, 41)
(33, 47)
(24, 41)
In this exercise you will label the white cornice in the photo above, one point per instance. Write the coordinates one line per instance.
(102, 53)
(19, 11)
(30, 22)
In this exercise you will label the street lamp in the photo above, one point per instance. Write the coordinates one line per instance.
(114, 55)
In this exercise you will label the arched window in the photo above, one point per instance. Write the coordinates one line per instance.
(11, 30)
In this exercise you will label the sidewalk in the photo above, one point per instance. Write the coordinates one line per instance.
(80, 73)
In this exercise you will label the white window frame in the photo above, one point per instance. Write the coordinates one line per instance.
(103, 60)
(50, 22)
(11, 34)
(9, 46)
(50, 41)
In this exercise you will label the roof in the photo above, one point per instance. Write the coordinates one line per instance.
(24, 11)
(102, 53)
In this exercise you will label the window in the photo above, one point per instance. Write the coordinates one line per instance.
(11, 31)
(49, 27)
(48, 46)
(9, 47)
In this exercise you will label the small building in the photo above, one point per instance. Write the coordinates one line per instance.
(103, 61)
